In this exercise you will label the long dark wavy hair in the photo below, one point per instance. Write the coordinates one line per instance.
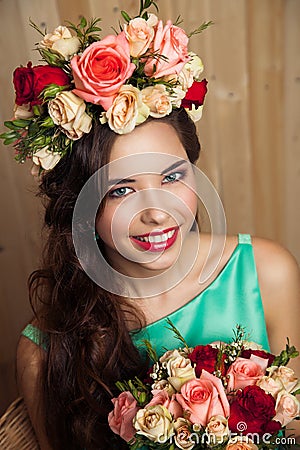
(89, 344)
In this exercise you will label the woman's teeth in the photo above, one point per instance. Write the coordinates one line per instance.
(157, 238)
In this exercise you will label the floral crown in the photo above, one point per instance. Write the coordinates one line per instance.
(143, 70)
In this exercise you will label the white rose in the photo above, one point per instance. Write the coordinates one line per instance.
(46, 159)
(164, 385)
(23, 111)
(62, 41)
(194, 65)
(68, 111)
(180, 371)
(154, 422)
(127, 110)
(195, 113)
(270, 385)
(286, 376)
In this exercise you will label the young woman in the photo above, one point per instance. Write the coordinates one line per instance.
(87, 342)
(116, 115)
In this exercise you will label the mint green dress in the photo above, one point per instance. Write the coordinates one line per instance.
(232, 298)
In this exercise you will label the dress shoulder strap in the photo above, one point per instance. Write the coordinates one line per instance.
(35, 335)
(244, 239)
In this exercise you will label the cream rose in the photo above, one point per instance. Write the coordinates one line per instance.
(46, 159)
(180, 371)
(183, 435)
(62, 41)
(140, 33)
(195, 113)
(194, 66)
(287, 408)
(217, 429)
(158, 100)
(270, 385)
(241, 443)
(286, 376)
(154, 422)
(23, 111)
(165, 386)
(68, 111)
(127, 110)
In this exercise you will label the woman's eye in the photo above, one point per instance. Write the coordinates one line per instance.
(119, 192)
(172, 177)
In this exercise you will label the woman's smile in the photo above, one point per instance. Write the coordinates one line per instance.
(156, 241)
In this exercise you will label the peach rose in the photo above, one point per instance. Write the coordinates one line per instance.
(286, 376)
(140, 33)
(62, 41)
(68, 111)
(241, 443)
(203, 398)
(154, 422)
(244, 372)
(102, 69)
(157, 99)
(183, 435)
(127, 110)
(171, 42)
(287, 408)
(161, 397)
(120, 419)
(46, 159)
(217, 429)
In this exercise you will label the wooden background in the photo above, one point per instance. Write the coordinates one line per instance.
(249, 131)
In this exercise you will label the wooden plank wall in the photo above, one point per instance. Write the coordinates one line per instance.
(249, 131)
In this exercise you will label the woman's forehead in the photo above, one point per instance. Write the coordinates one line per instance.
(152, 137)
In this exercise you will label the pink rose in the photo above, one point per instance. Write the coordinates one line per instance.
(102, 69)
(171, 42)
(161, 397)
(203, 398)
(139, 34)
(244, 372)
(120, 419)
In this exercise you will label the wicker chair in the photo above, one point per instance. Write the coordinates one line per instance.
(16, 432)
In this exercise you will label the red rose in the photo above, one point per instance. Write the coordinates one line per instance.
(255, 408)
(30, 81)
(261, 353)
(195, 95)
(204, 357)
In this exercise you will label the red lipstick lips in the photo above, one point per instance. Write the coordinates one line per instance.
(156, 241)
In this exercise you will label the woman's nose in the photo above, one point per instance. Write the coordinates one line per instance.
(154, 216)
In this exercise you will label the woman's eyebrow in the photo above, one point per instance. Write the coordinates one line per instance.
(174, 166)
(117, 181)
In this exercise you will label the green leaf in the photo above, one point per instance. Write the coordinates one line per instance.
(21, 123)
(126, 16)
(201, 28)
(9, 141)
(176, 332)
(83, 22)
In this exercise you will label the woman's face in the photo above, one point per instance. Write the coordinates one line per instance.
(150, 204)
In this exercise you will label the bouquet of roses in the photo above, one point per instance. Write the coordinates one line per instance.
(143, 70)
(220, 396)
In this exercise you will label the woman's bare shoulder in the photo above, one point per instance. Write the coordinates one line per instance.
(30, 358)
(277, 268)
